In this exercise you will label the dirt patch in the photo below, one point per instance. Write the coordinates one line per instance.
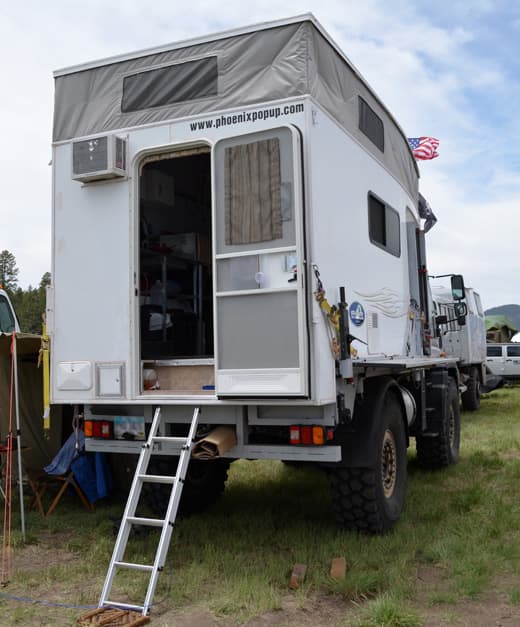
(319, 609)
(491, 609)
(48, 551)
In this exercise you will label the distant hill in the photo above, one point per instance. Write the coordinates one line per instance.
(510, 311)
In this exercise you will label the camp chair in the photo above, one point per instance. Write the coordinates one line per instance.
(40, 488)
(62, 469)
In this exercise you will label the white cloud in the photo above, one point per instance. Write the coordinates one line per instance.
(428, 71)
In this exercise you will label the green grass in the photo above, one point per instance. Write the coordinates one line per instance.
(460, 529)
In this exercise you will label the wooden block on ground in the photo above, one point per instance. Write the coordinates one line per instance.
(113, 617)
(338, 568)
(297, 575)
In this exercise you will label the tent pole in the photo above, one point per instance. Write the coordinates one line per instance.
(18, 435)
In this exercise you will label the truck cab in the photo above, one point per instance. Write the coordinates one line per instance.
(8, 319)
(462, 337)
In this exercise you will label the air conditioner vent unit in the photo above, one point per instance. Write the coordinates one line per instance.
(99, 158)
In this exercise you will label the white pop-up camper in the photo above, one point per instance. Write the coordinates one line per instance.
(236, 229)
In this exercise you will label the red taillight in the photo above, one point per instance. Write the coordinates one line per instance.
(306, 435)
(294, 435)
(105, 429)
(98, 429)
(310, 435)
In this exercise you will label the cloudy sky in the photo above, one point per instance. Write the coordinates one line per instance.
(449, 69)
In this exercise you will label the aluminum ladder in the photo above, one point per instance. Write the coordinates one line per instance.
(166, 524)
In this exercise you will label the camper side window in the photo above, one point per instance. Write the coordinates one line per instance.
(371, 124)
(383, 226)
(169, 85)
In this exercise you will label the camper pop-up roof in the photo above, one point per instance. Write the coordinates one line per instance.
(266, 62)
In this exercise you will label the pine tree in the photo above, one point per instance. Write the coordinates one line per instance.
(8, 271)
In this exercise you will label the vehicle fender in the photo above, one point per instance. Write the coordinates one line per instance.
(357, 440)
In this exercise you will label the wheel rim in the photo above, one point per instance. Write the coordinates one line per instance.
(389, 464)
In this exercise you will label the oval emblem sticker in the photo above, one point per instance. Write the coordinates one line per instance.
(356, 313)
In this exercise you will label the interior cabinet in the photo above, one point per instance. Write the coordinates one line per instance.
(172, 301)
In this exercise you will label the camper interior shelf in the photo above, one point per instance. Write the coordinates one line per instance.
(171, 303)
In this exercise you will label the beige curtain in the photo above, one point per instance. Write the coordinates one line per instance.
(252, 192)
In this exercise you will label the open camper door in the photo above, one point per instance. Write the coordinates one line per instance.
(260, 340)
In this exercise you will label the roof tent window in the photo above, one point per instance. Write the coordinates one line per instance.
(384, 226)
(253, 192)
(371, 125)
(168, 85)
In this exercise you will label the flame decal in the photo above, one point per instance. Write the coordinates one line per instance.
(386, 301)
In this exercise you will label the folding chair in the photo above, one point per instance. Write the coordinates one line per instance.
(41, 484)
(60, 471)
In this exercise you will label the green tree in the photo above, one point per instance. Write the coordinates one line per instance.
(8, 271)
(45, 280)
(29, 305)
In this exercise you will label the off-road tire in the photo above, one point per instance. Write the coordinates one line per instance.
(204, 485)
(442, 450)
(371, 500)
(471, 397)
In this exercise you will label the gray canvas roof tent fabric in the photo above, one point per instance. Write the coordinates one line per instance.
(250, 66)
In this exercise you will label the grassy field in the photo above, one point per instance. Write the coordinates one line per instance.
(456, 548)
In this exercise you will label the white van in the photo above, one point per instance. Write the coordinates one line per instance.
(504, 360)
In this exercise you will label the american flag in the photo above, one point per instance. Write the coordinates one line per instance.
(424, 147)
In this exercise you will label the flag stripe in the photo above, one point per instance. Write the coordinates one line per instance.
(424, 147)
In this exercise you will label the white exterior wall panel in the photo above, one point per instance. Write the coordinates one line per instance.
(342, 175)
(91, 279)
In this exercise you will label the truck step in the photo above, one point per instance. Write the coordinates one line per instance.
(146, 567)
(123, 606)
(168, 439)
(148, 522)
(157, 479)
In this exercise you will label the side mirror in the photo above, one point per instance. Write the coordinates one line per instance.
(457, 287)
(461, 311)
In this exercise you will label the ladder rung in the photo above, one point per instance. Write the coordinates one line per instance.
(123, 606)
(169, 439)
(150, 522)
(134, 566)
(157, 478)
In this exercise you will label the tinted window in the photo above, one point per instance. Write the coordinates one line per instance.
(6, 316)
(384, 226)
(168, 85)
(494, 351)
(513, 351)
(371, 125)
